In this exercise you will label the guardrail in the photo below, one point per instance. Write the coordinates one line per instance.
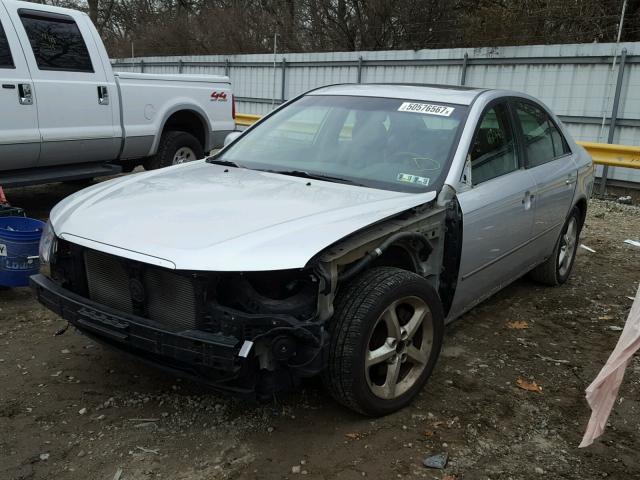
(246, 120)
(608, 154)
(612, 155)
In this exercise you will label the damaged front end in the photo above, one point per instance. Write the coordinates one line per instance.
(252, 333)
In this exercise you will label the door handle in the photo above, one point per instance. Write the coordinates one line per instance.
(527, 200)
(25, 95)
(103, 95)
(569, 181)
(8, 86)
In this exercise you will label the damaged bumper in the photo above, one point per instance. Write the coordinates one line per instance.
(217, 359)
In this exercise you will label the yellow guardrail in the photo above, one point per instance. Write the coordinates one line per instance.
(613, 155)
(608, 154)
(246, 120)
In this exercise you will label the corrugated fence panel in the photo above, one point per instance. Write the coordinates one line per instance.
(577, 81)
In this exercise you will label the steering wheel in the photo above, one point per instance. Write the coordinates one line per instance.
(418, 161)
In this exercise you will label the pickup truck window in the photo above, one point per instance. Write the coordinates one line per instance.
(6, 60)
(56, 42)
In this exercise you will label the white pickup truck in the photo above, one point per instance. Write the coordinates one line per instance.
(65, 115)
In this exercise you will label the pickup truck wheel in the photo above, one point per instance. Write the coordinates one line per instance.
(175, 147)
(385, 337)
(557, 268)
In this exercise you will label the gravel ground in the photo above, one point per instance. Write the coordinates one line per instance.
(71, 409)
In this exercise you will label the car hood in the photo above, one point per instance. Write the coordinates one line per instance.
(201, 216)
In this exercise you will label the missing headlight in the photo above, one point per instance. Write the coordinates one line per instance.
(289, 292)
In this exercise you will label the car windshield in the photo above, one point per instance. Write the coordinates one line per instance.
(386, 143)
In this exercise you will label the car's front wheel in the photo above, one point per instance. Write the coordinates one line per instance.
(557, 268)
(385, 338)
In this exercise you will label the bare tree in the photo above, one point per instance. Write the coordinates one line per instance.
(181, 27)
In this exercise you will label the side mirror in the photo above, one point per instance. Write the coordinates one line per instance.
(231, 137)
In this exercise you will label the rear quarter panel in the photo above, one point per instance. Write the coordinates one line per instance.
(149, 100)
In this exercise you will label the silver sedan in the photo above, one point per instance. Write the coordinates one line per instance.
(337, 236)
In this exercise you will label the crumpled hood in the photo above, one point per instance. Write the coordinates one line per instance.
(201, 216)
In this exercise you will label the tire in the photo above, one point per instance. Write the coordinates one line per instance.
(172, 143)
(360, 325)
(556, 270)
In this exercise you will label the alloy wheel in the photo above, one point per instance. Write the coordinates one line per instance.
(567, 246)
(399, 347)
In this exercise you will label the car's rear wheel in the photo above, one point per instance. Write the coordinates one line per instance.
(385, 338)
(557, 268)
(175, 147)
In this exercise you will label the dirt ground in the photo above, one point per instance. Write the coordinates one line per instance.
(71, 409)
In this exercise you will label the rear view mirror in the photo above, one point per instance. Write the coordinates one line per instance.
(231, 137)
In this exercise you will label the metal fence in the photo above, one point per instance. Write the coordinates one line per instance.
(594, 88)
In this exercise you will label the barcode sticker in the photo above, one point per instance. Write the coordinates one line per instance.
(426, 108)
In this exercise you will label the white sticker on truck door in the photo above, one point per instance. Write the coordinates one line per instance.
(3, 250)
(426, 108)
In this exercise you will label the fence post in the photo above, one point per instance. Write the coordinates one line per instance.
(141, 66)
(463, 73)
(614, 117)
(284, 77)
(180, 66)
(227, 67)
(360, 69)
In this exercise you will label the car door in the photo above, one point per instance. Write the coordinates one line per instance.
(19, 134)
(497, 211)
(74, 107)
(551, 163)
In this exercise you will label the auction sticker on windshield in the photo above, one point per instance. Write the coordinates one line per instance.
(427, 108)
(408, 178)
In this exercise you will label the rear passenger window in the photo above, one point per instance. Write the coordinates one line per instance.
(6, 60)
(543, 141)
(493, 153)
(56, 42)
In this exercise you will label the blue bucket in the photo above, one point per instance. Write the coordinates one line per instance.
(19, 240)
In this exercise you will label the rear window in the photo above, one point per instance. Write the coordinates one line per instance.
(56, 42)
(6, 60)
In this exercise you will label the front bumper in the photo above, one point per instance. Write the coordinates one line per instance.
(209, 357)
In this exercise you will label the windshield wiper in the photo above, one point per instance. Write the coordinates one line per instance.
(224, 163)
(314, 176)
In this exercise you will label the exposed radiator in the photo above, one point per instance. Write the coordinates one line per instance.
(169, 298)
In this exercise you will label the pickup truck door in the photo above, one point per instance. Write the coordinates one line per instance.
(497, 212)
(75, 102)
(19, 134)
(550, 161)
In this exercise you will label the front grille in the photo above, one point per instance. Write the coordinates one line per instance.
(168, 298)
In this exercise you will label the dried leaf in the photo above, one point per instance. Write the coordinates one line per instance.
(605, 317)
(449, 477)
(352, 436)
(429, 433)
(528, 386)
(438, 423)
(518, 325)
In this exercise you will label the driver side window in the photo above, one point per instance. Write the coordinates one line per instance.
(493, 152)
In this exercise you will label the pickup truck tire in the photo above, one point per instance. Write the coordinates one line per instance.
(385, 338)
(557, 268)
(175, 147)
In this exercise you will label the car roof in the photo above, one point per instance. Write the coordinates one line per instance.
(432, 93)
